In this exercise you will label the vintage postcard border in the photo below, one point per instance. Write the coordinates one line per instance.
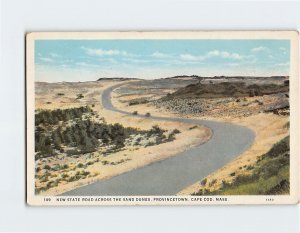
(293, 198)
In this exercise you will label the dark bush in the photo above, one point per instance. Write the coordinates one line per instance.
(54, 116)
(81, 136)
(279, 148)
(47, 167)
(64, 175)
(251, 93)
(105, 162)
(176, 131)
(80, 165)
(211, 183)
(138, 101)
(79, 96)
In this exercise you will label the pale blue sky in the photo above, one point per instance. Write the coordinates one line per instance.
(83, 60)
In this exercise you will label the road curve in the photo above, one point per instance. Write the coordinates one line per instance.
(169, 176)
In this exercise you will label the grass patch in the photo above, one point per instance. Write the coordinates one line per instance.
(270, 175)
(138, 101)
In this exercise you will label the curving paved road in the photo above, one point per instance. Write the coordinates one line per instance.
(169, 176)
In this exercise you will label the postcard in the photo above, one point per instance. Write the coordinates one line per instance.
(162, 118)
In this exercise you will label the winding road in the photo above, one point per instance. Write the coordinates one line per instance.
(169, 176)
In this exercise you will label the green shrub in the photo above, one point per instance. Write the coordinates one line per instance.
(81, 136)
(47, 167)
(54, 116)
(56, 168)
(279, 148)
(44, 179)
(171, 136)
(250, 167)
(90, 163)
(84, 173)
(64, 175)
(211, 183)
(269, 176)
(138, 101)
(251, 93)
(80, 165)
(80, 96)
(155, 130)
(74, 178)
(105, 162)
(176, 131)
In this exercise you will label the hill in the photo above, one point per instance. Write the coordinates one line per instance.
(230, 77)
(116, 79)
(228, 89)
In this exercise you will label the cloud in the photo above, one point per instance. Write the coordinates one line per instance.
(102, 52)
(224, 54)
(284, 50)
(111, 60)
(46, 59)
(54, 55)
(84, 64)
(136, 60)
(189, 57)
(259, 49)
(210, 54)
(283, 64)
(160, 55)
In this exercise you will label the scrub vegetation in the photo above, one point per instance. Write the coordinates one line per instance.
(269, 176)
(72, 132)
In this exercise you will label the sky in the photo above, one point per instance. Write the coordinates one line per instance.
(88, 60)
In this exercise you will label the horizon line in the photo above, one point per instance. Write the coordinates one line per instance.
(176, 76)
